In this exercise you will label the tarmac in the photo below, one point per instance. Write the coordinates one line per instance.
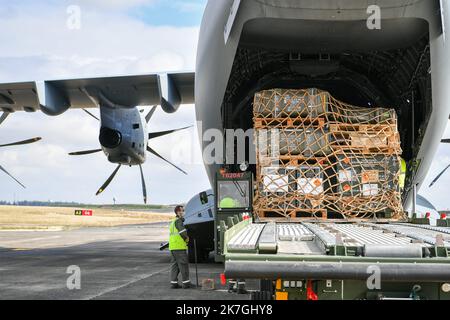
(118, 263)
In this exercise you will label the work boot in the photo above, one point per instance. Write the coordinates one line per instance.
(174, 286)
(187, 285)
(231, 286)
(241, 287)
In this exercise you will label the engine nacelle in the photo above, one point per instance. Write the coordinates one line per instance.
(110, 138)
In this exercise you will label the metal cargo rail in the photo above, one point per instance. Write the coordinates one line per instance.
(332, 250)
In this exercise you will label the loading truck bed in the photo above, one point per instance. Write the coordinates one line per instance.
(321, 237)
(338, 250)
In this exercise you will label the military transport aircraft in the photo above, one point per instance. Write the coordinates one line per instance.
(247, 46)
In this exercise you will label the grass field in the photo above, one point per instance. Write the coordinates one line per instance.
(42, 218)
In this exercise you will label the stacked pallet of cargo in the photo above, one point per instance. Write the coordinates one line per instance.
(317, 156)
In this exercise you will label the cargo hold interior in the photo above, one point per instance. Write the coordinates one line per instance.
(387, 68)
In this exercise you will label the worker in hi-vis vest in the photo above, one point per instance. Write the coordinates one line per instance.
(178, 250)
(402, 178)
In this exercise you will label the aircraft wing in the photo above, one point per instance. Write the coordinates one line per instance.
(56, 96)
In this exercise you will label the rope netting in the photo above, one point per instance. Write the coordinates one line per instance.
(317, 155)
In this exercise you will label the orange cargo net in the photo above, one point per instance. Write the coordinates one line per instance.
(318, 156)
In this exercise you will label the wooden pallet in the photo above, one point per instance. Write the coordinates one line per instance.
(287, 123)
(366, 128)
(286, 160)
(365, 136)
(358, 140)
(292, 214)
(366, 150)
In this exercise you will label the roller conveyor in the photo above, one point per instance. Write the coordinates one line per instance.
(268, 239)
(340, 251)
(427, 227)
(372, 242)
(416, 232)
(363, 235)
(246, 239)
(294, 232)
(368, 239)
(323, 235)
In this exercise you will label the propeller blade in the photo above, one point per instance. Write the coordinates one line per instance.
(439, 176)
(4, 170)
(4, 116)
(33, 140)
(149, 149)
(91, 114)
(150, 114)
(144, 188)
(154, 135)
(82, 153)
(445, 141)
(106, 184)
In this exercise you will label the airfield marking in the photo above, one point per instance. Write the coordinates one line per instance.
(33, 239)
(127, 284)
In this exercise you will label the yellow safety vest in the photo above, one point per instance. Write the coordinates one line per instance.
(402, 178)
(176, 242)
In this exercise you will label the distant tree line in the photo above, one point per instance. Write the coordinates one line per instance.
(26, 203)
(40, 204)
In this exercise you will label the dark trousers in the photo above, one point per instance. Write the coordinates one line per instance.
(179, 264)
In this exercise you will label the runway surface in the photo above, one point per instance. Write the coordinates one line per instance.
(115, 263)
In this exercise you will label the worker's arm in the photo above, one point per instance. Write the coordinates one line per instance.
(181, 229)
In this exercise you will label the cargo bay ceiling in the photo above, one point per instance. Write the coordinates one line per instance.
(388, 68)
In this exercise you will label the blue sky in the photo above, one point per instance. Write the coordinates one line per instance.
(152, 12)
(171, 12)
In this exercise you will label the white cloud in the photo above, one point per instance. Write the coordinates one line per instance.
(38, 45)
(107, 43)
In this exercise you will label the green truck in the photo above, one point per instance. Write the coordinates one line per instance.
(310, 259)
